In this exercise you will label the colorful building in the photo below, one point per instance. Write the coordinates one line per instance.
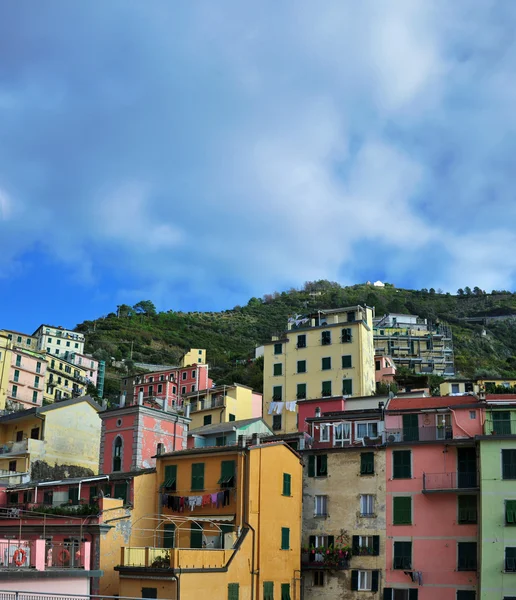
(22, 376)
(65, 380)
(58, 340)
(241, 540)
(132, 436)
(95, 369)
(432, 490)
(20, 340)
(223, 404)
(227, 434)
(455, 386)
(194, 356)
(384, 370)
(326, 354)
(415, 343)
(344, 505)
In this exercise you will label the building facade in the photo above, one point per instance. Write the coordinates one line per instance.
(227, 434)
(65, 380)
(327, 354)
(58, 340)
(23, 375)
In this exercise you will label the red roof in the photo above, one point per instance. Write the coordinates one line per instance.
(500, 397)
(431, 402)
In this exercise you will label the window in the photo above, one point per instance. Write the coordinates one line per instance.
(38, 367)
(207, 420)
(117, 454)
(399, 594)
(48, 497)
(287, 479)
(34, 396)
(278, 369)
(183, 389)
(366, 505)
(160, 388)
(169, 483)
(16, 375)
(347, 387)
(326, 389)
(326, 338)
(467, 556)
(173, 389)
(510, 559)
(510, 512)
(508, 464)
(321, 506)
(317, 465)
(326, 363)
(184, 375)
(220, 441)
(278, 348)
(341, 434)
(301, 391)
(467, 509)
(76, 345)
(366, 545)
(401, 464)
(324, 435)
(73, 495)
(402, 555)
(149, 592)
(472, 414)
(193, 374)
(366, 429)
(402, 510)
(466, 595)
(268, 590)
(318, 578)
(233, 589)
(285, 538)
(276, 422)
(455, 388)
(347, 336)
(227, 474)
(377, 365)
(364, 580)
(12, 466)
(19, 436)
(198, 476)
(285, 591)
(277, 393)
(367, 463)
(18, 360)
(231, 417)
(301, 341)
(301, 366)
(346, 361)
(36, 381)
(160, 448)
(14, 391)
(502, 423)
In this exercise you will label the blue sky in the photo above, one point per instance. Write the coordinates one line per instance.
(201, 153)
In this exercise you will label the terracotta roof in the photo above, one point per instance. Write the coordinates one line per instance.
(430, 402)
(491, 397)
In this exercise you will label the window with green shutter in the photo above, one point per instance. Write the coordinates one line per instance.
(402, 510)
(301, 366)
(346, 361)
(510, 559)
(326, 388)
(401, 464)
(509, 464)
(73, 495)
(367, 463)
(233, 589)
(278, 369)
(227, 474)
(278, 348)
(326, 363)
(402, 558)
(467, 509)
(347, 387)
(197, 477)
(232, 417)
(277, 393)
(285, 538)
(120, 491)
(317, 465)
(510, 512)
(286, 484)
(285, 591)
(467, 556)
(268, 590)
(170, 481)
(502, 423)
(301, 391)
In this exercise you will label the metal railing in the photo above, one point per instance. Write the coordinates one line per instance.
(434, 482)
(320, 560)
(64, 556)
(207, 404)
(20, 595)
(418, 434)
(15, 554)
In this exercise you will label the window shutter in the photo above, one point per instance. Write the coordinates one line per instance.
(354, 580)
(387, 593)
(286, 484)
(412, 594)
(198, 476)
(324, 464)
(367, 463)
(331, 541)
(311, 465)
(510, 512)
(374, 581)
(311, 541)
(376, 545)
(285, 538)
(355, 544)
(285, 591)
(233, 591)
(268, 590)
(402, 510)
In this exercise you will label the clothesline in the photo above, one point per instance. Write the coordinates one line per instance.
(188, 492)
(181, 503)
(277, 407)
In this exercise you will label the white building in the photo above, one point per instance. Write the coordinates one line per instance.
(57, 340)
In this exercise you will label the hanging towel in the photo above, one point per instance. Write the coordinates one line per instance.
(198, 500)
(220, 499)
(226, 498)
(182, 504)
(191, 502)
(272, 408)
(206, 499)
(214, 499)
(279, 407)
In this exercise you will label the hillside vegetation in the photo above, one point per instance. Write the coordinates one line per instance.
(230, 336)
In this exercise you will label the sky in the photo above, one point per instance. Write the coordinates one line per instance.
(201, 153)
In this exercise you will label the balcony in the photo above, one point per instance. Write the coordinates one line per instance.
(217, 402)
(37, 554)
(418, 434)
(326, 559)
(449, 482)
(172, 558)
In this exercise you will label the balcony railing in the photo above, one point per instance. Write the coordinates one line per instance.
(418, 434)
(14, 447)
(207, 404)
(447, 482)
(323, 560)
(171, 558)
(15, 554)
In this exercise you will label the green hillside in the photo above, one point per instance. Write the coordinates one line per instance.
(230, 336)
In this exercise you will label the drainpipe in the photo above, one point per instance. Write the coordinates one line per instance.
(246, 502)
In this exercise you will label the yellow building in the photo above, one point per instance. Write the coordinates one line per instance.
(327, 354)
(38, 443)
(222, 404)
(5, 367)
(20, 340)
(241, 540)
(194, 356)
(64, 380)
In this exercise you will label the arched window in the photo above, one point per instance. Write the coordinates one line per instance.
(117, 454)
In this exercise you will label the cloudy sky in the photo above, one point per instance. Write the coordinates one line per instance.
(199, 153)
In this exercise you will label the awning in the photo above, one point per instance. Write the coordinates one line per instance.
(168, 483)
(212, 518)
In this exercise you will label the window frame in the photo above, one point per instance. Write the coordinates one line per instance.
(277, 369)
(403, 556)
(365, 578)
(287, 485)
(367, 505)
(402, 515)
(324, 428)
(278, 348)
(511, 465)
(320, 505)
(366, 463)
(303, 369)
(345, 360)
(367, 423)
(285, 538)
(340, 442)
(400, 466)
(326, 363)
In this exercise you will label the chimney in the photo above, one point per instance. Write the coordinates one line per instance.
(140, 398)
(302, 443)
(165, 405)
(122, 401)
(255, 439)
(318, 411)
(241, 441)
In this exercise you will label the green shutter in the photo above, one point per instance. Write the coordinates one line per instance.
(354, 580)
(73, 495)
(367, 463)
(326, 363)
(326, 388)
(402, 510)
(355, 545)
(374, 581)
(285, 591)
(277, 393)
(311, 465)
(510, 559)
(467, 556)
(197, 477)
(412, 594)
(387, 593)
(509, 464)
(285, 538)
(510, 512)
(301, 391)
(346, 361)
(502, 423)
(195, 536)
(207, 420)
(301, 366)
(233, 589)
(227, 473)
(170, 477)
(286, 484)
(323, 465)
(278, 369)
(268, 590)
(120, 491)
(347, 387)
(466, 595)
(402, 468)
(376, 545)
(402, 555)
(467, 509)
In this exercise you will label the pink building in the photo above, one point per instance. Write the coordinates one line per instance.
(385, 369)
(86, 362)
(432, 497)
(27, 378)
(132, 435)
